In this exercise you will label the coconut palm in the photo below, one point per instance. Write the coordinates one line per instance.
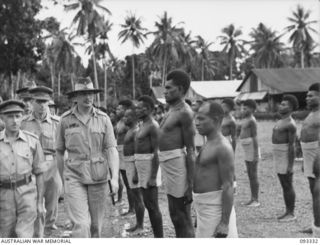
(267, 47)
(300, 29)
(132, 30)
(89, 22)
(204, 56)
(167, 42)
(233, 45)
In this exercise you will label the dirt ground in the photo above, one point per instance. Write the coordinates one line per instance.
(251, 222)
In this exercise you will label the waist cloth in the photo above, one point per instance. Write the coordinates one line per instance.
(173, 166)
(130, 170)
(143, 164)
(247, 146)
(281, 157)
(122, 165)
(208, 207)
(309, 151)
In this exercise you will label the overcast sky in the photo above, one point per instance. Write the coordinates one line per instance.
(201, 17)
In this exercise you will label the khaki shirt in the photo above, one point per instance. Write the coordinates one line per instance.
(46, 131)
(21, 157)
(86, 144)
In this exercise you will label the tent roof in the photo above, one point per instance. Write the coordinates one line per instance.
(216, 89)
(286, 79)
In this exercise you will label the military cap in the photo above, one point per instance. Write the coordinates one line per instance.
(23, 93)
(84, 85)
(10, 106)
(41, 93)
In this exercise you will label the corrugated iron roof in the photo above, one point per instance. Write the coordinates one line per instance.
(252, 96)
(286, 79)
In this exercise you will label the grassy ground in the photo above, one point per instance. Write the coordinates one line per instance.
(252, 222)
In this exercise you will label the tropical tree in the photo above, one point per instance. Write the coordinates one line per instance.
(267, 47)
(300, 29)
(90, 23)
(233, 45)
(204, 56)
(132, 30)
(167, 42)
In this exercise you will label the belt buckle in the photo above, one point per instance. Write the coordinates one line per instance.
(13, 185)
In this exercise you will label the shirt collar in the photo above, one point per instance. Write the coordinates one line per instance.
(75, 111)
(21, 136)
(46, 119)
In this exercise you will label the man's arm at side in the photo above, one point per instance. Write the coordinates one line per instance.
(291, 143)
(188, 133)
(60, 148)
(226, 171)
(154, 136)
(233, 133)
(253, 128)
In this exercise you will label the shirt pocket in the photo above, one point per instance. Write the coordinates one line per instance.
(5, 162)
(24, 160)
(98, 169)
(97, 137)
(73, 138)
(47, 140)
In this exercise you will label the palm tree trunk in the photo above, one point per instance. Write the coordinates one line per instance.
(105, 85)
(71, 79)
(231, 66)
(164, 68)
(59, 80)
(202, 70)
(95, 71)
(52, 75)
(133, 80)
(302, 58)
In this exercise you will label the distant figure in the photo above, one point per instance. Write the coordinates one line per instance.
(177, 152)
(130, 119)
(213, 178)
(121, 130)
(159, 113)
(147, 161)
(249, 142)
(199, 140)
(283, 140)
(310, 136)
(229, 125)
(24, 95)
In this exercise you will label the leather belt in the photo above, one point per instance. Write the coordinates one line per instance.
(17, 183)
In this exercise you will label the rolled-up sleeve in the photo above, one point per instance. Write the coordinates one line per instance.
(60, 140)
(39, 165)
(109, 140)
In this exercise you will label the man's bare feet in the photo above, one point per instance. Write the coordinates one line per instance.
(129, 212)
(287, 217)
(135, 229)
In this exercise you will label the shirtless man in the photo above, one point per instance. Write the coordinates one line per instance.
(249, 142)
(228, 127)
(213, 178)
(177, 152)
(147, 161)
(283, 140)
(121, 130)
(310, 148)
(130, 120)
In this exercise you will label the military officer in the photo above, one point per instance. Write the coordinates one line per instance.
(21, 174)
(41, 123)
(87, 135)
(24, 95)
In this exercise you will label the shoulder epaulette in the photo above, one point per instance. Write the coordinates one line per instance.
(99, 112)
(66, 113)
(26, 117)
(31, 134)
(55, 118)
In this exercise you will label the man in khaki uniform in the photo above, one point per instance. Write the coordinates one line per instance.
(41, 123)
(87, 135)
(21, 174)
(24, 95)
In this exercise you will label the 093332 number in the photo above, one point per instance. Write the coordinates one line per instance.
(309, 240)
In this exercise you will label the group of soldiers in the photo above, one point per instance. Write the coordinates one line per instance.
(84, 154)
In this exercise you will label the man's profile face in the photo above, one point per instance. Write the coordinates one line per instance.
(141, 110)
(171, 92)
(85, 99)
(284, 107)
(28, 105)
(225, 108)
(12, 121)
(120, 111)
(40, 106)
(204, 124)
(313, 99)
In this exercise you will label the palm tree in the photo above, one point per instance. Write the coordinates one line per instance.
(300, 31)
(132, 30)
(204, 56)
(89, 22)
(267, 47)
(167, 42)
(233, 46)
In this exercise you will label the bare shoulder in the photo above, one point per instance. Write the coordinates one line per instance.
(186, 114)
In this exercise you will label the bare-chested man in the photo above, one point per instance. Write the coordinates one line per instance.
(310, 148)
(249, 142)
(130, 120)
(213, 178)
(283, 140)
(229, 125)
(177, 152)
(147, 161)
(121, 130)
